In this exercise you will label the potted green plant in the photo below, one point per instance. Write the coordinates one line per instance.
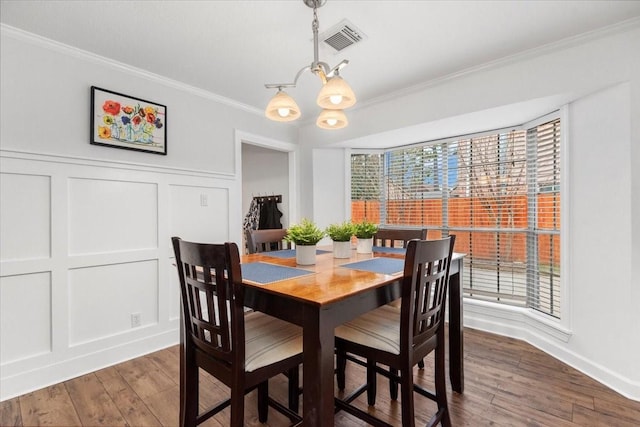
(305, 236)
(365, 231)
(341, 236)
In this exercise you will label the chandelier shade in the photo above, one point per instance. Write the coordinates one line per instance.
(332, 119)
(282, 108)
(336, 94)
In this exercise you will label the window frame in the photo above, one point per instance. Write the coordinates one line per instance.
(562, 324)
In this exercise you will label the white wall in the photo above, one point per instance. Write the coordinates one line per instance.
(86, 229)
(600, 203)
(331, 188)
(599, 79)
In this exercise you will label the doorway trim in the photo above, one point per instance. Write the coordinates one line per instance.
(241, 137)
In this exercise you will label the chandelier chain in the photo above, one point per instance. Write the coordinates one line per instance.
(315, 24)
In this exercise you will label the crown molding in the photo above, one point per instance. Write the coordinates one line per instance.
(559, 45)
(34, 39)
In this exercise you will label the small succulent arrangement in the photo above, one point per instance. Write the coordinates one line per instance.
(365, 229)
(306, 233)
(340, 232)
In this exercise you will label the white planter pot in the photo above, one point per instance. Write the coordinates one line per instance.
(305, 255)
(365, 246)
(342, 249)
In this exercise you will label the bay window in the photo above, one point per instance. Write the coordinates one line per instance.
(497, 192)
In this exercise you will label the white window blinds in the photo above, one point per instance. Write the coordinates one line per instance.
(488, 214)
(366, 186)
(543, 241)
(499, 193)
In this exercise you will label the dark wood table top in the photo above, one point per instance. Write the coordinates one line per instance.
(328, 284)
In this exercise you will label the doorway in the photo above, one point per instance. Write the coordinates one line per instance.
(267, 168)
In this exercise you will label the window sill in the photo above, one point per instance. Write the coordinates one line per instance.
(516, 322)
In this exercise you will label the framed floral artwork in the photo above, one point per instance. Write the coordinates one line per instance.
(123, 121)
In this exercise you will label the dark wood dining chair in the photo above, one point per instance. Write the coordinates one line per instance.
(266, 240)
(399, 338)
(391, 236)
(242, 350)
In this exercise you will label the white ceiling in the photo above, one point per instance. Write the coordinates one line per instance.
(232, 48)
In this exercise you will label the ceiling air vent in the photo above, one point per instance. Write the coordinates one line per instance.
(342, 35)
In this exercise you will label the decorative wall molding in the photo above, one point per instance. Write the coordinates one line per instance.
(111, 164)
(94, 198)
(65, 49)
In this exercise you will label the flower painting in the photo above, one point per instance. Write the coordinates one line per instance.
(122, 121)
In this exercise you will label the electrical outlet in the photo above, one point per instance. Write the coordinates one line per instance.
(204, 200)
(135, 320)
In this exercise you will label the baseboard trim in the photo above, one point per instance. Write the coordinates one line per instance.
(518, 323)
(54, 373)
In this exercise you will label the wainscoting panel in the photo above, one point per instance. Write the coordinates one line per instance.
(102, 299)
(25, 216)
(199, 214)
(107, 215)
(174, 291)
(86, 276)
(25, 316)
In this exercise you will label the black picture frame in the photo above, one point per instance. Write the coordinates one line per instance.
(128, 122)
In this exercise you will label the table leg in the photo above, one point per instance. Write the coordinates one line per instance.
(456, 362)
(318, 346)
(184, 410)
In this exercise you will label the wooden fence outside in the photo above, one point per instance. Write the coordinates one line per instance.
(482, 244)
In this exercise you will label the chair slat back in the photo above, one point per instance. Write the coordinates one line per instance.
(389, 237)
(266, 240)
(212, 297)
(424, 292)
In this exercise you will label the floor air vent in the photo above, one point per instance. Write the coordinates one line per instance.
(342, 35)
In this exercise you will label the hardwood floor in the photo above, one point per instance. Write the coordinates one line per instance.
(507, 383)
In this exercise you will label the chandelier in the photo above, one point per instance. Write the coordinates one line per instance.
(334, 97)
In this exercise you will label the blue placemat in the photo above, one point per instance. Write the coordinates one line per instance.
(287, 253)
(261, 272)
(378, 265)
(386, 250)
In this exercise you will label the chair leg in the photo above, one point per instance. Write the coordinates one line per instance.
(371, 382)
(341, 365)
(393, 385)
(421, 364)
(237, 405)
(406, 388)
(189, 394)
(263, 401)
(294, 388)
(440, 385)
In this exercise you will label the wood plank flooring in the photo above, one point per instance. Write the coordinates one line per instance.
(507, 383)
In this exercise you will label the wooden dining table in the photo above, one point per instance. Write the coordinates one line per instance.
(327, 294)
